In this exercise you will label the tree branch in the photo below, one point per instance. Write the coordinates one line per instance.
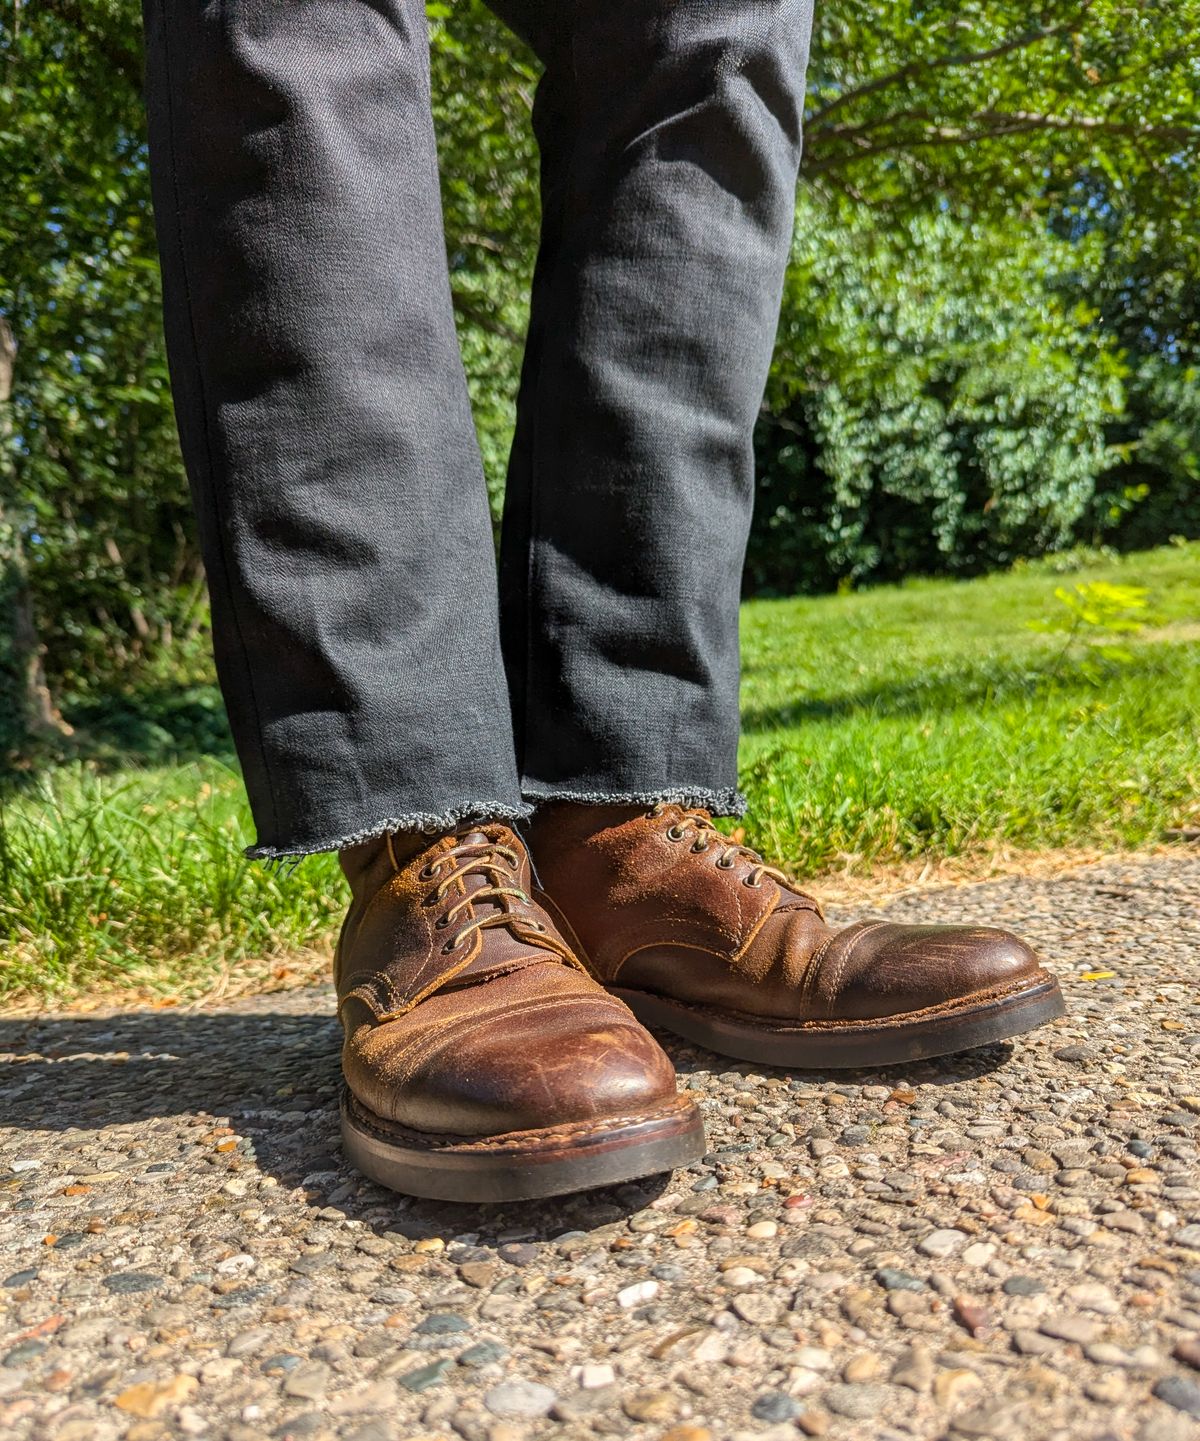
(970, 57)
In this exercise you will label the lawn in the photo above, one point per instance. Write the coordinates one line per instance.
(925, 720)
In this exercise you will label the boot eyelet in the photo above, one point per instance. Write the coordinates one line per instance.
(725, 863)
(752, 883)
(675, 833)
(441, 923)
(699, 847)
(429, 870)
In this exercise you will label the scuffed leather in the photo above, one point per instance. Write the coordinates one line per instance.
(651, 913)
(506, 1032)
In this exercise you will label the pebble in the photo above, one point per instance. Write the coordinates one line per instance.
(951, 1388)
(525, 1399)
(808, 1277)
(893, 1280)
(637, 1294)
(1070, 1328)
(423, 1377)
(859, 1403)
(757, 1308)
(913, 1368)
(1180, 1392)
(941, 1243)
(592, 1377)
(774, 1406)
(650, 1405)
(1022, 1286)
(151, 1398)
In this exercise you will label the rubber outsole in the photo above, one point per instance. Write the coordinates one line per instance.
(525, 1165)
(854, 1045)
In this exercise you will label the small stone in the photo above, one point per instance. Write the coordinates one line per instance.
(1070, 1328)
(308, 1382)
(1180, 1392)
(637, 1294)
(650, 1405)
(952, 1388)
(519, 1398)
(914, 1369)
(442, 1323)
(480, 1274)
(941, 1243)
(775, 1406)
(1089, 1296)
(483, 1353)
(813, 1358)
(979, 1253)
(425, 1376)
(813, 1422)
(864, 1367)
(1109, 1389)
(739, 1276)
(971, 1316)
(152, 1398)
(593, 1376)
(1023, 1286)
(892, 1280)
(762, 1230)
(860, 1403)
(758, 1308)
(1188, 1351)
(518, 1254)
(1032, 1343)
(128, 1283)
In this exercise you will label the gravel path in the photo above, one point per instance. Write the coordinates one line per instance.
(1000, 1246)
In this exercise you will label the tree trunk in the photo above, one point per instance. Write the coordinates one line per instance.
(38, 716)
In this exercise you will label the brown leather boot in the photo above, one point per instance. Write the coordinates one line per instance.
(482, 1063)
(703, 938)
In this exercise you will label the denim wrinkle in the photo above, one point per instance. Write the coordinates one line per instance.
(374, 660)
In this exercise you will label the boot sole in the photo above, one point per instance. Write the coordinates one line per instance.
(977, 1020)
(522, 1165)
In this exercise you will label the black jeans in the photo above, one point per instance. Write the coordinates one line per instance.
(376, 675)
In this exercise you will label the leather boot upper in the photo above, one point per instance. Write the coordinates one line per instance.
(465, 1011)
(661, 901)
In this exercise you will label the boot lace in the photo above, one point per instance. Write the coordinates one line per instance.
(496, 863)
(697, 822)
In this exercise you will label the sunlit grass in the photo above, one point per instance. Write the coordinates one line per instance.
(924, 720)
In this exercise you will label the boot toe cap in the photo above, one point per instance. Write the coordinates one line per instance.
(536, 1062)
(885, 969)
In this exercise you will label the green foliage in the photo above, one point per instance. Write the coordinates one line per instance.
(935, 405)
(988, 347)
(1092, 615)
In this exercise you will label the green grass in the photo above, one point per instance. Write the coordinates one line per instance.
(924, 720)
(930, 719)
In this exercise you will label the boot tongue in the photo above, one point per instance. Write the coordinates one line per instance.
(501, 947)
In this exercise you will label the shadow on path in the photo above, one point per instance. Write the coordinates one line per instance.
(275, 1075)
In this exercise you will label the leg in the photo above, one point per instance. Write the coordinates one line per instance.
(325, 422)
(670, 137)
(324, 417)
(669, 164)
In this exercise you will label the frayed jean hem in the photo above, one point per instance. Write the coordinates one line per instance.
(719, 802)
(427, 823)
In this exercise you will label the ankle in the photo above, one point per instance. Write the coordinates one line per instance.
(567, 823)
